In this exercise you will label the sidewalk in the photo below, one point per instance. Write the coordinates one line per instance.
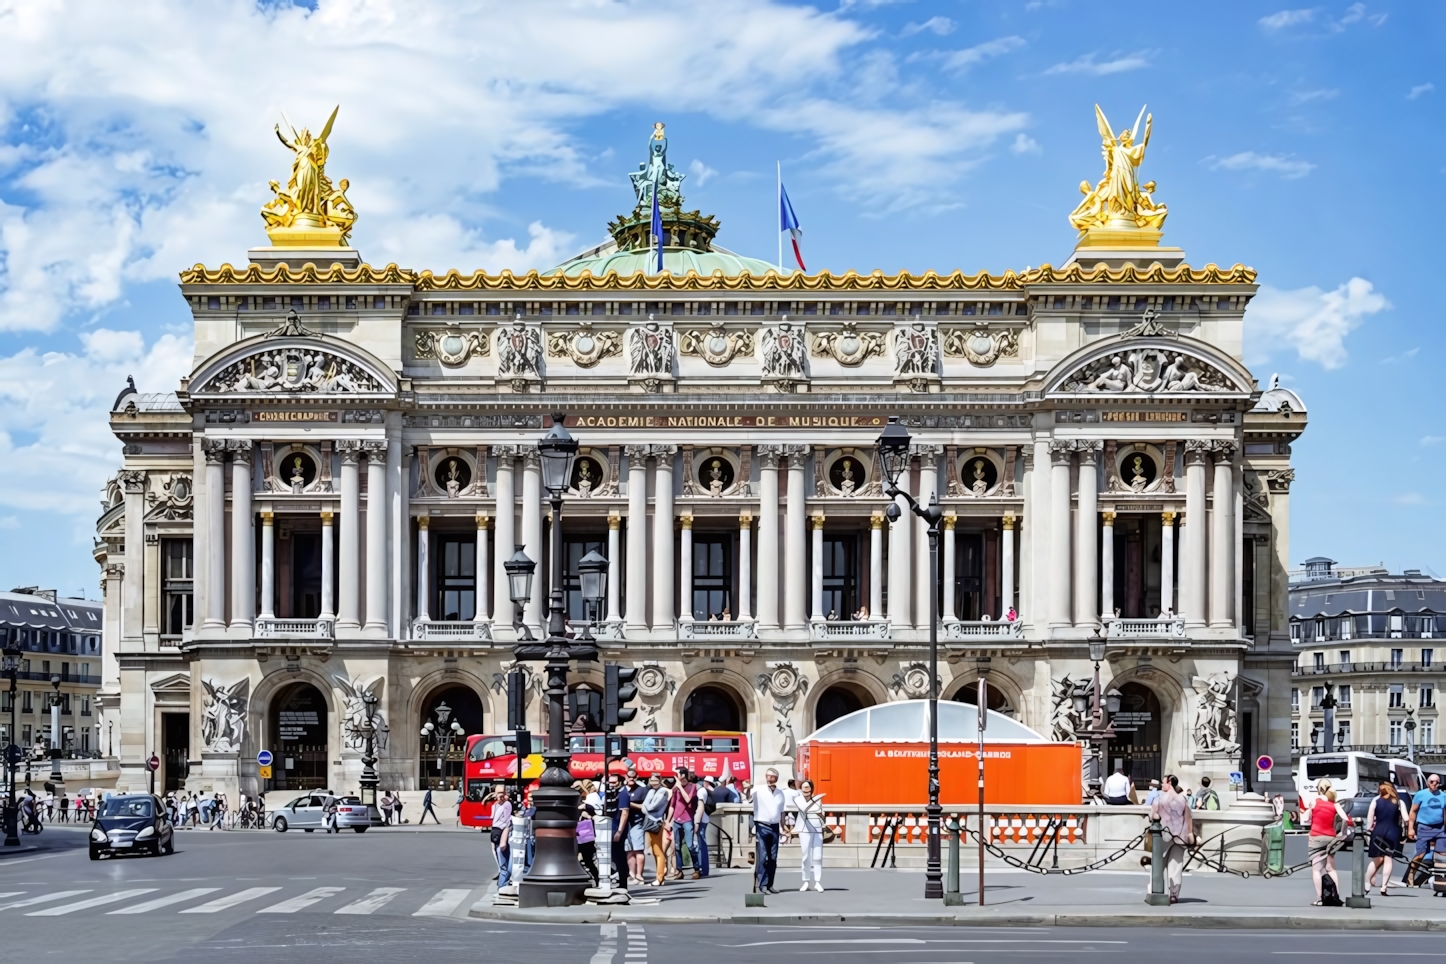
(1014, 898)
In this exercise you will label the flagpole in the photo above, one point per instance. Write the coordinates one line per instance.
(778, 207)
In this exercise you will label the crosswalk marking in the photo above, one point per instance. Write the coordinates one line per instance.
(301, 903)
(443, 903)
(43, 898)
(90, 902)
(159, 902)
(12, 893)
(225, 903)
(372, 902)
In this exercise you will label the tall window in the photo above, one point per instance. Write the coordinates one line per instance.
(1343, 696)
(1319, 659)
(1396, 695)
(25, 704)
(1396, 731)
(1295, 736)
(177, 587)
(1397, 657)
(457, 579)
(1428, 694)
(1295, 699)
(712, 576)
(573, 551)
(1427, 657)
(1428, 732)
(840, 577)
(1343, 731)
(1317, 693)
(1345, 657)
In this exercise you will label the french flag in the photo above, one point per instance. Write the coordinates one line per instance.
(788, 221)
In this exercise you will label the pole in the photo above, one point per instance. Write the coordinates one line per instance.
(952, 897)
(778, 213)
(1358, 896)
(1157, 896)
(12, 817)
(983, 719)
(933, 875)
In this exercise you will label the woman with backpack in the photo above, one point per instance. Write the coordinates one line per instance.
(1385, 824)
(1323, 842)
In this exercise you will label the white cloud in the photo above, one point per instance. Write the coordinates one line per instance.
(1283, 164)
(1287, 18)
(1420, 90)
(1306, 96)
(701, 172)
(964, 59)
(942, 26)
(1102, 68)
(1311, 321)
(1406, 355)
(1356, 12)
(1024, 144)
(1429, 440)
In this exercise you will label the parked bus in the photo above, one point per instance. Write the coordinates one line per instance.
(491, 761)
(1352, 773)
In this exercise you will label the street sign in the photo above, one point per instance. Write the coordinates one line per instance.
(265, 771)
(1237, 779)
(1264, 762)
(1263, 776)
(14, 755)
(264, 758)
(154, 763)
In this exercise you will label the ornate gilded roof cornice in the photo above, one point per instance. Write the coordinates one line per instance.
(824, 281)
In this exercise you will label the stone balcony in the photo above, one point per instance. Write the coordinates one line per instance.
(272, 628)
(1173, 628)
(689, 629)
(983, 630)
(849, 630)
(450, 630)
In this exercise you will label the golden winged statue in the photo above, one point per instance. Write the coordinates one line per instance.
(310, 210)
(1119, 202)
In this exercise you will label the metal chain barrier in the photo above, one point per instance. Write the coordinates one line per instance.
(1014, 861)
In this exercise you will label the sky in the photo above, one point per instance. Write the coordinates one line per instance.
(136, 140)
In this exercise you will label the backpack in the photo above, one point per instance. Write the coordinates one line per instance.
(709, 803)
(1329, 895)
(1209, 800)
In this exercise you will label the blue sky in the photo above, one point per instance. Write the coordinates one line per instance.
(1306, 142)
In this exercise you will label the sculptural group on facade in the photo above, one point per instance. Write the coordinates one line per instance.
(354, 723)
(916, 350)
(292, 370)
(223, 715)
(1119, 200)
(519, 350)
(309, 199)
(1148, 371)
(650, 349)
(1215, 714)
(782, 351)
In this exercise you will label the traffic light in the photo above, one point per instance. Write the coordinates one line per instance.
(516, 701)
(618, 691)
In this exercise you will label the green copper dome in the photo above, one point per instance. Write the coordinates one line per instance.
(676, 260)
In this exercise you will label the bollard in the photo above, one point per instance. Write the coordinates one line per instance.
(952, 897)
(518, 839)
(603, 833)
(1358, 896)
(1274, 848)
(1157, 896)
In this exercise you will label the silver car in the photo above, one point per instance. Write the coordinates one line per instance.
(306, 812)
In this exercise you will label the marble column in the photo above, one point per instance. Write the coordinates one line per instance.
(1006, 565)
(348, 617)
(328, 564)
(795, 602)
(1194, 535)
(243, 540)
(424, 568)
(399, 519)
(685, 569)
(268, 565)
(664, 574)
(924, 586)
(1107, 564)
(1167, 561)
(532, 538)
(377, 569)
(479, 568)
(615, 564)
(745, 567)
(1087, 560)
(504, 613)
(133, 593)
(901, 562)
(768, 456)
(637, 602)
(1060, 451)
(947, 575)
(215, 542)
(1222, 537)
(876, 565)
(816, 571)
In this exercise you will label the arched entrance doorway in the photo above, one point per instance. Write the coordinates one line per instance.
(1137, 744)
(440, 762)
(838, 700)
(712, 708)
(297, 738)
(994, 698)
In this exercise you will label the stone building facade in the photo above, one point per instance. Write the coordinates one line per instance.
(323, 505)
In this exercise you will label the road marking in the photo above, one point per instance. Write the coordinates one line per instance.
(301, 903)
(443, 903)
(12, 893)
(168, 900)
(607, 948)
(91, 902)
(43, 899)
(225, 903)
(372, 902)
(920, 940)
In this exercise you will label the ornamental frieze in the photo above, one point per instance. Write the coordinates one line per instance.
(848, 347)
(716, 346)
(980, 346)
(451, 347)
(584, 346)
(1148, 371)
(293, 370)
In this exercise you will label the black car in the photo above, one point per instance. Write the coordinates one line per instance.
(132, 823)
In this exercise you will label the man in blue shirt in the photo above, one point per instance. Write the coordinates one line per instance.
(1428, 814)
(620, 827)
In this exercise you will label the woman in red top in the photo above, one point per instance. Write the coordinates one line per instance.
(1323, 836)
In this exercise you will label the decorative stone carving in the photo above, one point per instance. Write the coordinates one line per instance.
(223, 715)
(1214, 728)
(981, 346)
(214, 449)
(1064, 721)
(784, 684)
(782, 347)
(177, 502)
(519, 350)
(1197, 451)
(717, 346)
(654, 686)
(912, 681)
(1151, 371)
(849, 346)
(452, 347)
(1253, 498)
(650, 350)
(240, 449)
(1223, 450)
(584, 346)
(1167, 483)
(916, 350)
(296, 369)
(354, 725)
(615, 467)
(1278, 480)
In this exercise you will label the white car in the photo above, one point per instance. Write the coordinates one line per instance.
(307, 812)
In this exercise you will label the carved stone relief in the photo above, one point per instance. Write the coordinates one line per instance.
(519, 350)
(584, 346)
(716, 346)
(1214, 728)
(1148, 371)
(782, 347)
(291, 370)
(849, 346)
(223, 715)
(452, 347)
(784, 684)
(354, 724)
(980, 346)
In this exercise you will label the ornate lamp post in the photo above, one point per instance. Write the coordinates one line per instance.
(11, 666)
(1100, 730)
(1410, 732)
(1328, 708)
(593, 575)
(519, 589)
(443, 733)
(893, 446)
(369, 754)
(56, 778)
(556, 879)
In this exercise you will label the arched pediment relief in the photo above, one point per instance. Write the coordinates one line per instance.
(1149, 366)
(268, 366)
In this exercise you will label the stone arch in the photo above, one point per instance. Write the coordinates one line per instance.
(1200, 352)
(963, 689)
(257, 716)
(466, 707)
(865, 688)
(1174, 715)
(731, 684)
(368, 367)
(299, 730)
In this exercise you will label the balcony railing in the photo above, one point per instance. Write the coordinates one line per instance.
(267, 628)
(733, 629)
(848, 630)
(1385, 666)
(983, 629)
(1145, 628)
(465, 630)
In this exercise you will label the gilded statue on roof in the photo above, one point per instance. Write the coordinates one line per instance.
(1119, 202)
(310, 210)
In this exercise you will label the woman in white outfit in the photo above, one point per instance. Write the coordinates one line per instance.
(809, 827)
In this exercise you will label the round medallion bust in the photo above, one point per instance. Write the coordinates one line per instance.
(1137, 470)
(297, 469)
(452, 474)
(715, 474)
(586, 470)
(585, 343)
(847, 474)
(978, 475)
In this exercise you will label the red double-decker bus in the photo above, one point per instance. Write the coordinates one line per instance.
(491, 761)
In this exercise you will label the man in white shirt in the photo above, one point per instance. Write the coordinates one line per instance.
(1117, 788)
(768, 804)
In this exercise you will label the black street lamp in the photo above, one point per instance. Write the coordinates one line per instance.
(442, 734)
(11, 667)
(894, 454)
(593, 575)
(556, 879)
(56, 778)
(1410, 733)
(519, 589)
(1100, 729)
(369, 779)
